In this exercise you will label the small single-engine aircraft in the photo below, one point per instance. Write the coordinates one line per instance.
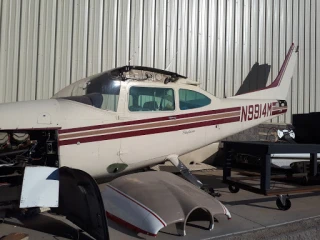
(121, 120)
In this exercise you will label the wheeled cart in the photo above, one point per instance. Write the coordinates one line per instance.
(264, 183)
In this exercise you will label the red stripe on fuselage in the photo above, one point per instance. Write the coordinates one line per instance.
(148, 131)
(128, 225)
(276, 112)
(149, 120)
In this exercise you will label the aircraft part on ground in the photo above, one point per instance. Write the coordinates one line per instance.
(40, 187)
(149, 201)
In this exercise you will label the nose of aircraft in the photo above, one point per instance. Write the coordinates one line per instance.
(29, 115)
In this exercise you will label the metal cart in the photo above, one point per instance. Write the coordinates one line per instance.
(264, 150)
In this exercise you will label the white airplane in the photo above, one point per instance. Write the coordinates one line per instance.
(130, 118)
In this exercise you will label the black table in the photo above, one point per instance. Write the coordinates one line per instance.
(264, 151)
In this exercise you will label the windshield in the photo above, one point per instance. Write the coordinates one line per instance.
(102, 91)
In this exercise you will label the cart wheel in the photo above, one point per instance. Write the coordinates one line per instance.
(284, 207)
(233, 188)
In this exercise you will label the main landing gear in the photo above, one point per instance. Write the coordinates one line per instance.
(190, 177)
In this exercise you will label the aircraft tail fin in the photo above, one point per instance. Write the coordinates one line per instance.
(279, 88)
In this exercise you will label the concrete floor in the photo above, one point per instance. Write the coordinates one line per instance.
(249, 212)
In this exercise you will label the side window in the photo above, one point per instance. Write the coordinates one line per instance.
(151, 99)
(189, 99)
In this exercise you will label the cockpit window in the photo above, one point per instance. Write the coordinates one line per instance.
(189, 99)
(101, 92)
(106, 92)
(151, 99)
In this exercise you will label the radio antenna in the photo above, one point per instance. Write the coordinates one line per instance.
(171, 60)
(132, 56)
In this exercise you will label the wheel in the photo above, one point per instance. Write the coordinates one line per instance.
(233, 188)
(284, 207)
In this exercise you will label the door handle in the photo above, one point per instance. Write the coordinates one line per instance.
(172, 117)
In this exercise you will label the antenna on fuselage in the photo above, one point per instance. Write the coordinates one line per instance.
(171, 60)
(132, 56)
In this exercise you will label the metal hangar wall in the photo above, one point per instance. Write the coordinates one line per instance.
(48, 44)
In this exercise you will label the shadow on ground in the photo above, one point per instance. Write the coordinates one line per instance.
(49, 224)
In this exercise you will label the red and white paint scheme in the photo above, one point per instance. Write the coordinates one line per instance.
(105, 135)
(121, 120)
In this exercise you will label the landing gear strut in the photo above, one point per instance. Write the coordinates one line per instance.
(283, 202)
(190, 177)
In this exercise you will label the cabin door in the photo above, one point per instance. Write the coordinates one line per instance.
(151, 134)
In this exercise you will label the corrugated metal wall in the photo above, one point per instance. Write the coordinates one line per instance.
(47, 44)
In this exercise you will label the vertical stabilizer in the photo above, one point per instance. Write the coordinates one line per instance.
(279, 88)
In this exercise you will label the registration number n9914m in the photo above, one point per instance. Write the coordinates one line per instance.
(251, 112)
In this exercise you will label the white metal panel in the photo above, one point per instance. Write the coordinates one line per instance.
(46, 44)
(318, 58)
(220, 75)
(312, 51)
(109, 42)
(47, 32)
(229, 49)
(123, 32)
(28, 53)
(254, 31)
(212, 46)
(202, 44)
(95, 37)
(261, 35)
(301, 57)
(295, 36)
(275, 43)
(282, 40)
(306, 79)
(62, 76)
(289, 40)
(9, 52)
(171, 36)
(275, 39)
(192, 40)
(40, 187)
(2, 57)
(160, 34)
(79, 40)
(148, 33)
(269, 14)
(246, 67)
(136, 32)
(0, 17)
(182, 37)
(237, 76)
